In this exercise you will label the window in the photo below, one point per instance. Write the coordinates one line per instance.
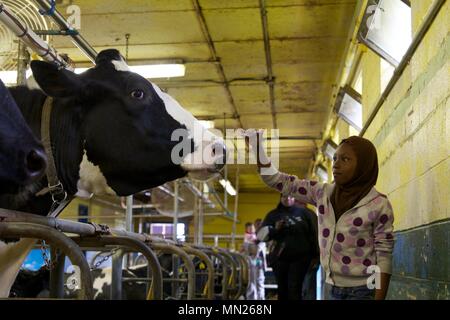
(329, 148)
(322, 173)
(386, 28)
(165, 230)
(348, 106)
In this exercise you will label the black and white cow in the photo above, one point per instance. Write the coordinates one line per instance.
(22, 157)
(112, 133)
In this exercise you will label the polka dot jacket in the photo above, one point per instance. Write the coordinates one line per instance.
(361, 240)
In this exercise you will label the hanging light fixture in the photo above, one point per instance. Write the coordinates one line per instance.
(228, 187)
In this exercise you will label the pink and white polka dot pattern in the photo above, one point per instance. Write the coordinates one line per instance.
(363, 236)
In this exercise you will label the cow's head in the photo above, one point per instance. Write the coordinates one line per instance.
(130, 128)
(22, 158)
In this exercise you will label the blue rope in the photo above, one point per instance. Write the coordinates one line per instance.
(50, 11)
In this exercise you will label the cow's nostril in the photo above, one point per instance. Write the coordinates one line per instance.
(36, 162)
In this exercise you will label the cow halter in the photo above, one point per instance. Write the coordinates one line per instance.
(55, 187)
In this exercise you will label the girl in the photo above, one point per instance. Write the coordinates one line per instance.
(355, 220)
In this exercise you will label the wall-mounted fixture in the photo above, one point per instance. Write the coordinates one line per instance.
(329, 148)
(348, 107)
(322, 173)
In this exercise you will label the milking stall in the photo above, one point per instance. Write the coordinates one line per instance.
(240, 150)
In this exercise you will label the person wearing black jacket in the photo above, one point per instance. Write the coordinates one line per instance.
(294, 249)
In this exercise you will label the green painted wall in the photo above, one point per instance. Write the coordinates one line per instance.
(421, 263)
(411, 133)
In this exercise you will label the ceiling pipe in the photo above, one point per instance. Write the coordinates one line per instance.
(195, 191)
(136, 206)
(270, 79)
(214, 57)
(31, 39)
(77, 39)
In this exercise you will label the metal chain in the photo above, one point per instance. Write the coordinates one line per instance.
(49, 265)
(127, 46)
(105, 258)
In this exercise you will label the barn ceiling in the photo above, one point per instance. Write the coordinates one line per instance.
(227, 69)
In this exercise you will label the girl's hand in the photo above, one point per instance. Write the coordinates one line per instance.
(254, 141)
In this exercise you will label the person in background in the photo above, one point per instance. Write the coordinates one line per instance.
(252, 252)
(294, 246)
(250, 234)
(309, 282)
(262, 264)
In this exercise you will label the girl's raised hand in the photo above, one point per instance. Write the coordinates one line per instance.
(254, 141)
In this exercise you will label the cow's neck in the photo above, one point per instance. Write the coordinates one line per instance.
(65, 138)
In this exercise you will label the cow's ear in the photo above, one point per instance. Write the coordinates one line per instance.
(56, 82)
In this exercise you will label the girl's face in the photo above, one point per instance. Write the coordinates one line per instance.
(344, 164)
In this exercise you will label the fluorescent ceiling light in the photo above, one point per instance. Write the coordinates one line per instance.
(207, 124)
(227, 186)
(151, 71)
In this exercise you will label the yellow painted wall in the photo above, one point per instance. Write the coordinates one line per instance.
(114, 218)
(412, 129)
(251, 206)
(371, 88)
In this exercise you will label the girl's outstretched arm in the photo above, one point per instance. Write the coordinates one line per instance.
(289, 185)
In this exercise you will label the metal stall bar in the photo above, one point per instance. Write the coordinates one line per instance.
(190, 249)
(84, 229)
(213, 252)
(130, 244)
(210, 266)
(234, 271)
(77, 39)
(175, 260)
(68, 246)
(161, 244)
(243, 274)
(31, 39)
(166, 248)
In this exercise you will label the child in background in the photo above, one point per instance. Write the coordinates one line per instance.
(250, 234)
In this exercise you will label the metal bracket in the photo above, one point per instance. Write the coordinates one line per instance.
(50, 11)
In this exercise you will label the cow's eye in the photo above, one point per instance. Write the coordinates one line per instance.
(137, 94)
